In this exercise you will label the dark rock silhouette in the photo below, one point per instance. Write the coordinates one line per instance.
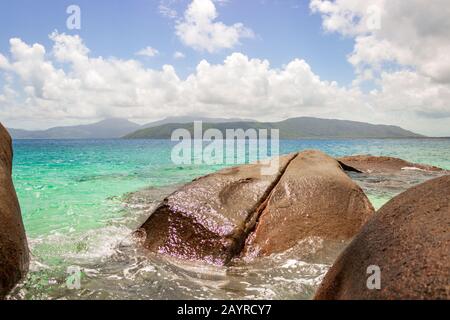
(14, 257)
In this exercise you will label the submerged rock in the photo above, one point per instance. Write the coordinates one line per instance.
(385, 177)
(408, 240)
(14, 257)
(314, 198)
(369, 164)
(209, 219)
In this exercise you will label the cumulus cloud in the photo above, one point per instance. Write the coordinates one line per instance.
(349, 17)
(147, 52)
(200, 30)
(403, 48)
(82, 87)
(67, 83)
(64, 84)
(4, 64)
(410, 33)
(250, 87)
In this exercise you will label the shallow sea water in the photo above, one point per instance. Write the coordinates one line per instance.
(81, 200)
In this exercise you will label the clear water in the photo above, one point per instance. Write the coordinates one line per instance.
(81, 199)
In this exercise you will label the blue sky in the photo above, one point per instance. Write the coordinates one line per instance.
(284, 30)
(375, 61)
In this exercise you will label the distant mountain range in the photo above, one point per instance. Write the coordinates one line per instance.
(190, 119)
(107, 129)
(294, 128)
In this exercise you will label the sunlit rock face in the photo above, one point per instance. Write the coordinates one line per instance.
(314, 198)
(241, 212)
(14, 257)
(209, 219)
(408, 242)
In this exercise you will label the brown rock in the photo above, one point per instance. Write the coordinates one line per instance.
(369, 164)
(314, 198)
(409, 240)
(208, 219)
(14, 256)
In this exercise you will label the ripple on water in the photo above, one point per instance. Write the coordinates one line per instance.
(113, 266)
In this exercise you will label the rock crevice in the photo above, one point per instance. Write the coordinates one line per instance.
(209, 218)
(239, 211)
(314, 198)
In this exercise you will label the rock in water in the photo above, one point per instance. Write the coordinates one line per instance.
(408, 239)
(14, 257)
(314, 198)
(209, 219)
(368, 164)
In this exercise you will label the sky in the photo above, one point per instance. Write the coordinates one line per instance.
(378, 61)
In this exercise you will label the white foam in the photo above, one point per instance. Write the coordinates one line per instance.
(413, 168)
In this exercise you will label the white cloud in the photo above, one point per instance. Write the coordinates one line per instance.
(200, 30)
(4, 64)
(84, 87)
(88, 88)
(251, 88)
(406, 56)
(349, 17)
(179, 55)
(412, 33)
(147, 52)
(65, 85)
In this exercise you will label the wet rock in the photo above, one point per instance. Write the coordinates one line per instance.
(385, 177)
(314, 198)
(209, 219)
(408, 239)
(369, 164)
(14, 257)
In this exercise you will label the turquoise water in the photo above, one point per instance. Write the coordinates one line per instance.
(73, 195)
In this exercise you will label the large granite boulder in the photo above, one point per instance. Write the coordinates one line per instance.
(377, 164)
(14, 257)
(209, 219)
(408, 239)
(314, 198)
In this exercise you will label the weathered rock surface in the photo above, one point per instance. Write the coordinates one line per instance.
(209, 219)
(314, 198)
(14, 257)
(369, 164)
(409, 240)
